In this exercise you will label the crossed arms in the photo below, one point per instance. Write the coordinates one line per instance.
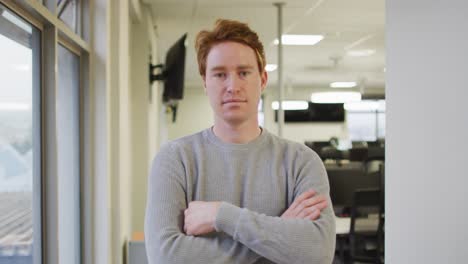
(181, 232)
(200, 217)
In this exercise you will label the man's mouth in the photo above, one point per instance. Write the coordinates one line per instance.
(234, 101)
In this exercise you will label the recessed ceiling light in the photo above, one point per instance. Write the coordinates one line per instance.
(291, 105)
(270, 67)
(299, 39)
(335, 97)
(343, 84)
(361, 53)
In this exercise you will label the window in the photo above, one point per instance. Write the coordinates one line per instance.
(27, 228)
(69, 12)
(261, 114)
(366, 120)
(20, 205)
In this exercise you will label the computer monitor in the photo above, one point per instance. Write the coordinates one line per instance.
(174, 71)
(315, 113)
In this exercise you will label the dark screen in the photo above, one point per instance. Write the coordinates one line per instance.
(315, 113)
(174, 71)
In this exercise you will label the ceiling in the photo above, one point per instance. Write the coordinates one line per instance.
(346, 26)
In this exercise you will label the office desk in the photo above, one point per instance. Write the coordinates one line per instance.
(342, 225)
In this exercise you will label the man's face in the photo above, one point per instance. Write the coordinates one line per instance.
(233, 82)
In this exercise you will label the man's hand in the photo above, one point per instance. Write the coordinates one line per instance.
(200, 217)
(308, 205)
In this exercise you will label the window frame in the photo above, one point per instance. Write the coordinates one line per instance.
(37, 173)
(54, 32)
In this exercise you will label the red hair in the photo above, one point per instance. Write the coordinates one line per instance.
(228, 30)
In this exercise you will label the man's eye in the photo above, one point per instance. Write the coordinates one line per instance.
(244, 73)
(220, 75)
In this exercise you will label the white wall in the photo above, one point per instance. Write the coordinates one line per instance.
(427, 127)
(126, 124)
(193, 114)
(113, 135)
(157, 126)
(122, 195)
(145, 109)
(140, 100)
(99, 70)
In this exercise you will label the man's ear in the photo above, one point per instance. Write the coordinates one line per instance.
(264, 79)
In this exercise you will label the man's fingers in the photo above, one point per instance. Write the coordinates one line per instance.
(307, 211)
(305, 195)
(186, 220)
(322, 205)
(317, 199)
(305, 203)
(308, 203)
(314, 215)
(302, 214)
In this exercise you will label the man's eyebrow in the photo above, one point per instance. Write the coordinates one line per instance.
(245, 67)
(217, 68)
(223, 68)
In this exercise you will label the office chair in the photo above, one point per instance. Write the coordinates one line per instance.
(331, 153)
(358, 154)
(317, 145)
(381, 227)
(375, 153)
(366, 229)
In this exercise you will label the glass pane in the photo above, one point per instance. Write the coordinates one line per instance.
(19, 129)
(381, 125)
(261, 114)
(68, 12)
(68, 147)
(49, 4)
(361, 126)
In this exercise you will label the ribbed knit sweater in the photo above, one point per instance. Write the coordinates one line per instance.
(256, 183)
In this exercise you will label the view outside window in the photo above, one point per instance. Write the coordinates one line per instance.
(361, 126)
(68, 12)
(261, 114)
(18, 73)
(366, 124)
(381, 125)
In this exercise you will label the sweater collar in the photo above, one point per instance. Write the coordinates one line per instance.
(257, 142)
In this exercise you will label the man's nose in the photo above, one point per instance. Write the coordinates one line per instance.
(233, 83)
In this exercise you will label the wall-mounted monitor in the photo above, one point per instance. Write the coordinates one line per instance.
(315, 113)
(173, 72)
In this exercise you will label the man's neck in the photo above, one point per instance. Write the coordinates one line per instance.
(238, 134)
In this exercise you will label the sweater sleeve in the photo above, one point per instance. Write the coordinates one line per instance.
(165, 240)
(286, 240)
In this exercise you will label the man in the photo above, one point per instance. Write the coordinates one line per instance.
(234, 193)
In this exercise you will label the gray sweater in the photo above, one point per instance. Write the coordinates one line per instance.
(257, 182)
